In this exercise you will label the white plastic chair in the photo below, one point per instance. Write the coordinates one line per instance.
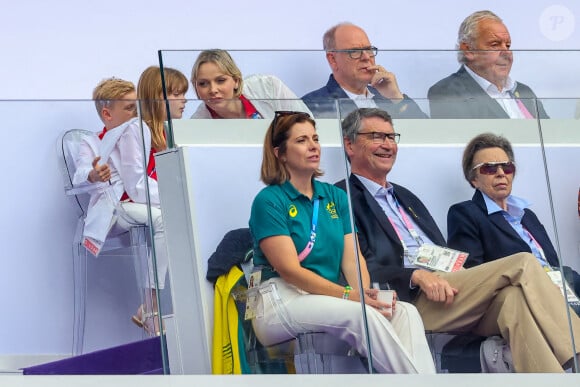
(136, 238)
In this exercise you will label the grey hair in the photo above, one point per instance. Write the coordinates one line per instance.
(329, 40)
(468, 31)
(479, 142)
(351, 125)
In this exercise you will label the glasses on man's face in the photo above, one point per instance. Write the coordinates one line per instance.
(357, 53)
(508, 167)
(381, 137)
(283, 113)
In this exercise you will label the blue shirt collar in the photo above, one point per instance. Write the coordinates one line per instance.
(373, 187)
(515, 205)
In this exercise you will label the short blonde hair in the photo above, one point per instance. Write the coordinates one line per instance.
(223, 60)
(150, 94)
(110, 90)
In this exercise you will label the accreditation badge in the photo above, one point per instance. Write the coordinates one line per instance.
(438, 258)
(253, 295)
(556, 277)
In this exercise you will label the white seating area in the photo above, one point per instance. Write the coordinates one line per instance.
(428, 163)
(59, 301)
(218, 164)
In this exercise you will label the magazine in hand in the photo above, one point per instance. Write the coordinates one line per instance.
(439, 258)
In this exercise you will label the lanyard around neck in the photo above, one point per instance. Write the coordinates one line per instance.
(310, 245)
(405, 248)
(408, 226)
(535, 242)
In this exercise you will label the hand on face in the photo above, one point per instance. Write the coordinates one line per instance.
(385, 82)
(353, 61)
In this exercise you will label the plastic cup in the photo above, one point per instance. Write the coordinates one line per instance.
(386, 296)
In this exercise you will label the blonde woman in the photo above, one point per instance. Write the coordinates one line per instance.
(218, 81)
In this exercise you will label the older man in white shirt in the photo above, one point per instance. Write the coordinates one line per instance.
(482, 87)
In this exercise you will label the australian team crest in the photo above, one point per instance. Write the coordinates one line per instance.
(331, 208)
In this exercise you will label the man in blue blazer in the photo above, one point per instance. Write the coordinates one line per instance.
(386, 260)
(482, 88)
(392, 223)
(356, 79)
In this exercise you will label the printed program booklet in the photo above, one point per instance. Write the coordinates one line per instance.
(439, 258)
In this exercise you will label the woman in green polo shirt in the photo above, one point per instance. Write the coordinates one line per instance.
(302, 242)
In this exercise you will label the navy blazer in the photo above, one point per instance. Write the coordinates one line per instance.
(322, 103)
(490, 237)
(379, 242)
(460, 96)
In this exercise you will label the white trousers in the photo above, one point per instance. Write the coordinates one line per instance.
(397, 346)
(138, 213)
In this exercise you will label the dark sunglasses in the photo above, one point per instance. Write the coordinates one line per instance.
(283, 113)
(508, 167)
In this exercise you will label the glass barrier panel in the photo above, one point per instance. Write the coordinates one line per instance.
(429, 77)
(434, 86)
(88, 303)
(216, 156)
(472, 223)
(142, 138)
(77, 279)
(560, 148)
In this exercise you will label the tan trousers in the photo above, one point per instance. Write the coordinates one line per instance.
(512, 297)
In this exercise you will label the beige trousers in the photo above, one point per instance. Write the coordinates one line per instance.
(512, 297)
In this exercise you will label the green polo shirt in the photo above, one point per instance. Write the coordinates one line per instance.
(282, 210)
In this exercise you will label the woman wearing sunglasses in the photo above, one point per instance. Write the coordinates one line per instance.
(217, 81)
(302, 242)
(495, 223)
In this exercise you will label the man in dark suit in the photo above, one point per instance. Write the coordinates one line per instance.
(392, 223)
(356, 79)
(482, 88)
